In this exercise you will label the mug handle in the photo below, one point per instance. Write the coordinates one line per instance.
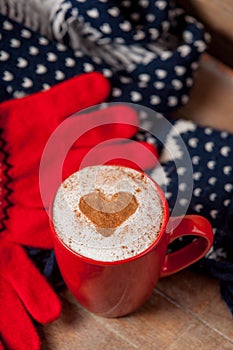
(177, 227)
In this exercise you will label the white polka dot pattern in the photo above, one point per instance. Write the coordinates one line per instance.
(124, 42)
(211, 153)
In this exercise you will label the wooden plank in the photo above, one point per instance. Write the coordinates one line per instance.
(210, 101)
(199, 295)
(78, 329)
(174, 316)
(217, 16)
(199, 336)
(146, 327)
(190, 290)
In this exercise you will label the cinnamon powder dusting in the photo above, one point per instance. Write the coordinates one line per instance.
(107, 213)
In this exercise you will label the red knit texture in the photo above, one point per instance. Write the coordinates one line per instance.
(17, 330)
(26, 124)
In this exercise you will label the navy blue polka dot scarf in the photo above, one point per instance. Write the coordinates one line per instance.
(148, 49)
(196, 175)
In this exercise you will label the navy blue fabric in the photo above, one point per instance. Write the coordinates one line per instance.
(46, 262)
(154, 42)
(126, 19)
(157, 73)
(211, 174)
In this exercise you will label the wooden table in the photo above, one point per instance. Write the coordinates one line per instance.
(185, 311)
(217, 16)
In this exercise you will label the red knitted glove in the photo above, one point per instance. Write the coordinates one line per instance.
(22, 286)
(26, 126)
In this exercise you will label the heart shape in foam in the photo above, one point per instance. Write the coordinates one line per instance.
(108, 212)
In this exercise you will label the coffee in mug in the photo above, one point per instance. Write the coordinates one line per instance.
(111, 231)
(108, 213)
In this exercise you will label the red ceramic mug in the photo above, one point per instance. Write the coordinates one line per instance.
(117, 288)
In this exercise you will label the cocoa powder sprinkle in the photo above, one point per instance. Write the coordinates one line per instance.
(107, 213)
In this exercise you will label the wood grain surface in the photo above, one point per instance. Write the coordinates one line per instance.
(217, 16)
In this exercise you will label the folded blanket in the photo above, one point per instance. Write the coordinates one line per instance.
(149, 50)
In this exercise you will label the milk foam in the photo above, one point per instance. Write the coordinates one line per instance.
(130, 238)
